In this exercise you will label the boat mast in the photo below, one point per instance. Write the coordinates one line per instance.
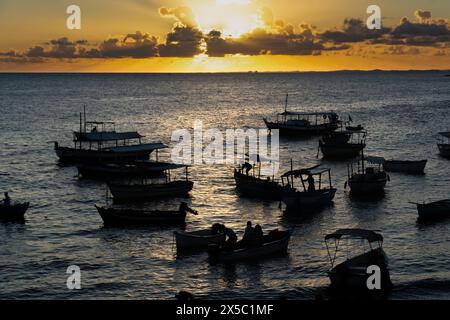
(84, 112)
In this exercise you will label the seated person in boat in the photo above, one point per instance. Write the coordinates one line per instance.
(231, 238)
(258, 236)
(248, 234)
(311, 183)
(247, 166)
(7, 200)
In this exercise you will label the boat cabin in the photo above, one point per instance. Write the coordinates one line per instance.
(312, 176)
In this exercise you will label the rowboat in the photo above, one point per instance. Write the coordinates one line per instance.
(353, 273)
(300, 197)
(151, 188)
(434, 210)
(368, 178)
(342, 144)
(303, 123)
(136, 169)
(199, 239)
(99, 142)
(444, 145)
(406, 166)
(276, 242)
(13, 212)
(133, 217)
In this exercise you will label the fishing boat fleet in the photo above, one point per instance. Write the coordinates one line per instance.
(123, 162)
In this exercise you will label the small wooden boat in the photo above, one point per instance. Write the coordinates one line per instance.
(150, 189)
(444, 145)
(276, 242)
(13, 212)
(99, 142)
(302, 197)
(303, 123)
(434, 210)
(342, 144)
(367, 180)
(200, 239)
(133, 217)
(137, 169)
(351, 273)
(407, 166)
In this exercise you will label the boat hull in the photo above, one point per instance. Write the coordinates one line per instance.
(72, 155)
(368, 185)
(434, 210)
(130, 217)
(279, 246)
(295, 200)
(444, 150)
(123, 192)
(197, 239)
(257, 188)
(292, 130)
(414, 167)
(14, 212)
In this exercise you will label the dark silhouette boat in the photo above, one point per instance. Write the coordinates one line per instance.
(117, 217)
(99, 142)
(406, 166)
(199, 239)
(434, 210)
(136, 169)
(13, 212)
(303, 123)
(444, 144)
(366, 177)
(342, 144)
(352, 274)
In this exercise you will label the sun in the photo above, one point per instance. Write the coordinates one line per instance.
(231, 17)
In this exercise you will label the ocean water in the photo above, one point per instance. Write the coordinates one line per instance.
(402, 112)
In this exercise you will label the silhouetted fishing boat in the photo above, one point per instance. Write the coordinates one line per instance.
(99, 142)
(13, 212)
(199, 239)
(303, 123)
(302, 197)
(276, 242)
(136, 169)
(250, 183)
(352, 273)
(342, 144)
(118, 217)
(151, 188)
(434, 210)
(444, 144)
(407, 166)
(365, 179)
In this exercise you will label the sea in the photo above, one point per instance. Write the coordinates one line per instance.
(402, 112)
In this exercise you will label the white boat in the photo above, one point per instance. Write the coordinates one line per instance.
(444, 144)
(199, 239)
(407, 166)
(276, 242)
(434, 210)
(298, 198)
(303, 123)
(352, 273)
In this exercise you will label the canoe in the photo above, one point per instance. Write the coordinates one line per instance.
(14, 212)
(123, 191)
(200, 239)
(417, 167)
(276, 242)
(134, 217)
(434, 210)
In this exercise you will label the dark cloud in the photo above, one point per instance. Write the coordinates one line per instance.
(133, 45)
(353, 30)
(182, 42)
(423, 15)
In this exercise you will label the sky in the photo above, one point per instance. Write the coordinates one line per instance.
(223, 35)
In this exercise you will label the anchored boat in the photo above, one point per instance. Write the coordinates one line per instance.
(303, 123)
(118, 217)
(151, 188)
(13, 212)
(316, 195)
(366, 177)
(434, 210)
(407, 166)
(444, 144)
(276, 242)
(342, 144)
(352, 273)
(99, 142)
(199, 239)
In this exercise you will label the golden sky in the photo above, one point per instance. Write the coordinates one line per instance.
(223, 36)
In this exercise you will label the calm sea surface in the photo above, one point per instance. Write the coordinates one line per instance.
(402, 111)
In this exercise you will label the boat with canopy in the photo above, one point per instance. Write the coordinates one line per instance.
(351, 273)
(342, 144)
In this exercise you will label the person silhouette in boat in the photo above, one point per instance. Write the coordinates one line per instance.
(231, 238)
(6, 200)
(258, 236)
(247, 166)
(311, 183)
(248, 234)
(94, 129)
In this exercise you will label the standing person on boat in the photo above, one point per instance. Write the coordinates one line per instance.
(231, 238)
(311, 183)
(247, 166)
(7, 200)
